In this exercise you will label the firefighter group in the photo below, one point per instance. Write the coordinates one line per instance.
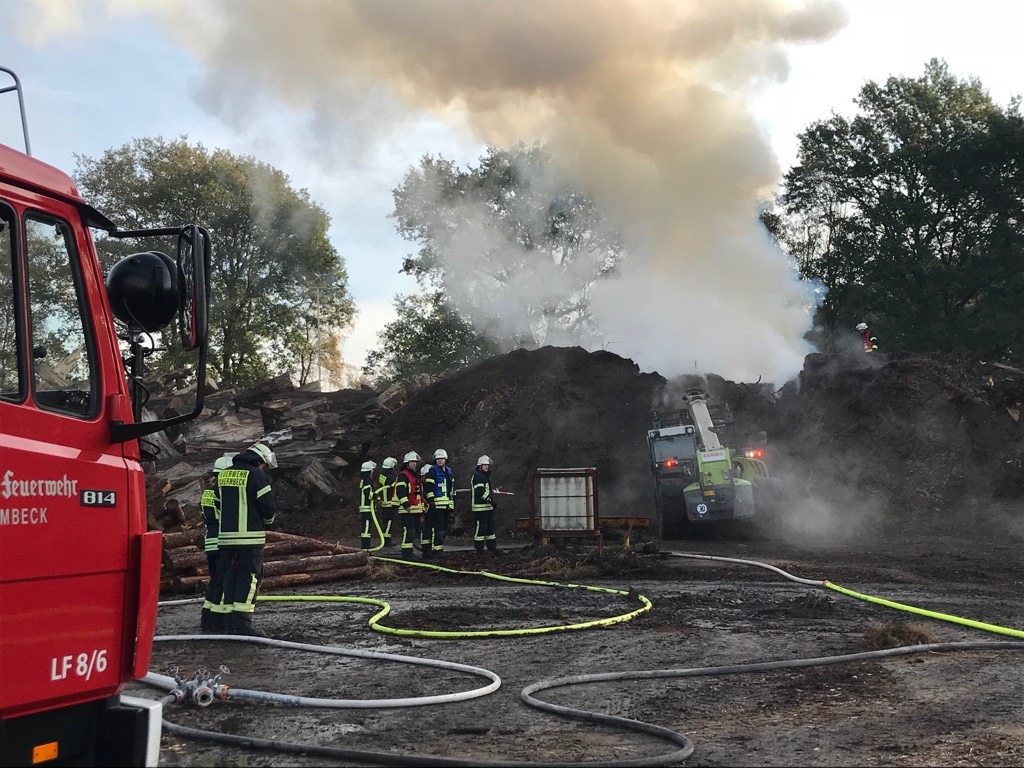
(414, 503)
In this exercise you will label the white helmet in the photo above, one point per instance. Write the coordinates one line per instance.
(389, 463)
(862, 326)
(224, 462)
(440, 453)
(424, 469)
(368, 466)
(483, 460)
(266, 455)
(411, 456)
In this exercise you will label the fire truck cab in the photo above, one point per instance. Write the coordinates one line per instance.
(79, 572)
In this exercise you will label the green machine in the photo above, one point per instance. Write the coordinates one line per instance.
(699, 480)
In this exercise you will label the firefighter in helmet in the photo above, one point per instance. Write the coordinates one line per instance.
(209, 502)
(427, 526)
(367, 517)
(385, 501)
(439, 495)
(483, 507)
(409, 498)
(869, 341)
(246, 509)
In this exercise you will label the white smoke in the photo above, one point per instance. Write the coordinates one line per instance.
(644, 101)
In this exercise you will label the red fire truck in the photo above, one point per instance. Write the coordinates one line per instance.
(79, 572)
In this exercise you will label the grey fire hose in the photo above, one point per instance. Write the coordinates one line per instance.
(684, 747)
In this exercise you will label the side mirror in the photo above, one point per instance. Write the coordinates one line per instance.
(194, 258)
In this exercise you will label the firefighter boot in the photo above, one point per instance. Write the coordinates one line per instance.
(206, 621)
(241, 624)
(219, 623)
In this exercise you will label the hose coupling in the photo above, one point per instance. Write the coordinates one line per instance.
(203, 695)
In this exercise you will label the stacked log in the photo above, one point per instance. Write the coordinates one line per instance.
(288, 561)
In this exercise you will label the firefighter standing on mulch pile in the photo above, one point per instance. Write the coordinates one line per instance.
(409, 497)
(366, 505)
(439, 494)
(483, 507)
(869, 341)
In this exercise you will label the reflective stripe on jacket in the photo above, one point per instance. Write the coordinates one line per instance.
(408, 493)
(211, 517)
(439, 486)
(365, 493)
(482, 492)
(246, 503)
(386, 490)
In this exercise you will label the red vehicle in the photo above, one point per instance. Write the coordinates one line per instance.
(79, 572)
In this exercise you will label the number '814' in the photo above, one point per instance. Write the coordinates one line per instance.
(98, 498)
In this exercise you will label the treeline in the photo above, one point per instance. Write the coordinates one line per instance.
(907, 215)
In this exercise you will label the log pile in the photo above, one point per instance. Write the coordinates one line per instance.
(288, 561)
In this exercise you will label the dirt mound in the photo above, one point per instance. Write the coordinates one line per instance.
(551, 407)
(857, 440)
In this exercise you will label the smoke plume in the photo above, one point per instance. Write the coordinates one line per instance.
(644, 101)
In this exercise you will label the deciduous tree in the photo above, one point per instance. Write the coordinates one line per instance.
(270, 243)
(911, 213)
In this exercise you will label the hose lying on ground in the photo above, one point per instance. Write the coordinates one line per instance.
(168, 683)
(684, 747)
(948, 617)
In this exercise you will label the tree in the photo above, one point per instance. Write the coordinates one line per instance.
(271, 250)
(513, 243)
(428, 336)
(910, 215)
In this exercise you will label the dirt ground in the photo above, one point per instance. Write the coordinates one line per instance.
(930, 709)
(904, 481)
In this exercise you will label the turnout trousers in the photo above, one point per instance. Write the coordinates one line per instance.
(483, 531)
(366, 529)
(411, 525)
(243, 574)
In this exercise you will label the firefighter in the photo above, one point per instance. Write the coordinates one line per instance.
(246, 509)
(409, 499)
(385, 492)
(367, 517)
(869, 341)
(439, 495)
(210, 504)
(483, 507)
(427, 527)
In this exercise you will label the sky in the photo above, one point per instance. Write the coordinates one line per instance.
(98, 73)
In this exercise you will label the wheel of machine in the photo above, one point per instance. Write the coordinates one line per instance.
(674, 523)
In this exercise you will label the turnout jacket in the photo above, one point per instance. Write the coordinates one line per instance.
(483, 501)
(366, 492)
(439, 486)
(210, 506)
(246, 503)
(385, 490)
(408, 494)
